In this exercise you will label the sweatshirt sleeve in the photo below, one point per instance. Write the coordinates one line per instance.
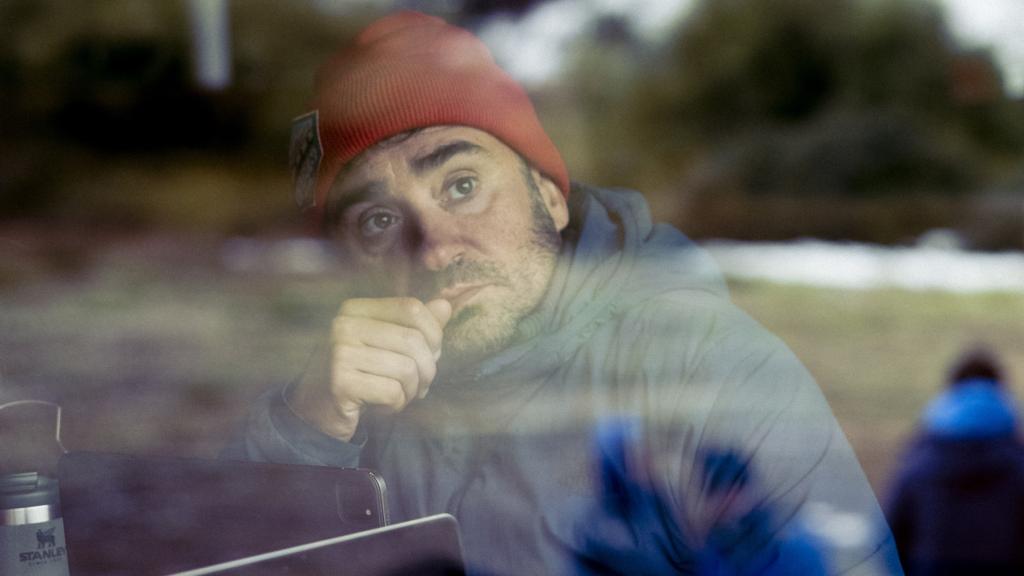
(725, 390)
(273, 433)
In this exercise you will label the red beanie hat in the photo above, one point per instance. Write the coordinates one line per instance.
(405, 71)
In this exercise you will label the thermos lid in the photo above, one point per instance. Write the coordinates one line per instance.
(28, 489)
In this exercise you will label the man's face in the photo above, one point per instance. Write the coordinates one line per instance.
(451, 212)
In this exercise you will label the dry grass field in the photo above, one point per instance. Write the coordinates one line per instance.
(152, 345)
(880, 355)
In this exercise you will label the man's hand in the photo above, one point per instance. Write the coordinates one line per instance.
(383, 353)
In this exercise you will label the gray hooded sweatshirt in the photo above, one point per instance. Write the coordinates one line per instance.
(636, 327)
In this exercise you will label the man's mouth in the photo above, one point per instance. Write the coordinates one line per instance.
(459, 294)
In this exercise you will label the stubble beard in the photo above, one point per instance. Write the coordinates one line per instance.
(476, 331)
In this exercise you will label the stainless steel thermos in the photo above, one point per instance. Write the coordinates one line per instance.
(31, 528)
(32, 540)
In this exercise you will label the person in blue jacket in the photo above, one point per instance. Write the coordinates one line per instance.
(957, 503)
(498, 317)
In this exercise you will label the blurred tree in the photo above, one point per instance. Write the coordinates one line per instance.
(900, 55)
(795, 98)
(607, 64)
(278, 48)
(132, 95)
(734, 62)
(118, 60)
(105, 87)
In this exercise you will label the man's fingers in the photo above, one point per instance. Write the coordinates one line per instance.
(364, 389)
(379, 334)
(385, 336)
(408, 312)
(396, 340)
(383, 352)
(441, 309)
(383, 363)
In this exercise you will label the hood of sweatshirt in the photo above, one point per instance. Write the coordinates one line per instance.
(970, 435)
(974, 409)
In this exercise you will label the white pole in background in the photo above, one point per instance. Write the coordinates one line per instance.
(211, 43)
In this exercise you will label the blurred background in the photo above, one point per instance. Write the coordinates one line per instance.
(856, 166)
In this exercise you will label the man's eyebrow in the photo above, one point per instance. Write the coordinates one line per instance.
(442, 154)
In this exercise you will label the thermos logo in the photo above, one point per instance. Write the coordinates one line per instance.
(45, 538)
(46, 548)
(38, 556)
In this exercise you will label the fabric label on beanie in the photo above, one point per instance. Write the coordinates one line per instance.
(304, 156)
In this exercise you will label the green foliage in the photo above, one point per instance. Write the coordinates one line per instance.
(101, 117)
(116, 55)
(742, 61)
(900, 55)
(798, 97)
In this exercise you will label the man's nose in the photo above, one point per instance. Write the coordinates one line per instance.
(436, 243)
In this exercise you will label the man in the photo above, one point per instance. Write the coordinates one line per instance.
(538, 358)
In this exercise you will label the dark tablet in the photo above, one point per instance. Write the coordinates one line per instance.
(425, 547)
(143, 515)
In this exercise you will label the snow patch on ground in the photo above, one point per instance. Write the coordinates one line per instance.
(864, 267)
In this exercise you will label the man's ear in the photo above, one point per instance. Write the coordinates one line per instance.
(553, 199)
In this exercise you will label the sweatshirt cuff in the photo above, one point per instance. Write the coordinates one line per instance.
(311, 443)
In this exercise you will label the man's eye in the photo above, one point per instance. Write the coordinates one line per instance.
(461, 188)
(376, 223)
